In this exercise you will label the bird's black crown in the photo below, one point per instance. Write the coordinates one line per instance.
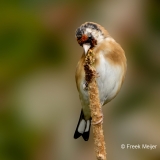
(80, 31)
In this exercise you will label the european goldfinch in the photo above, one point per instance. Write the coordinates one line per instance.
(110, 65)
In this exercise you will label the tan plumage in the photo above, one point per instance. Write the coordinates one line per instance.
(110, 65)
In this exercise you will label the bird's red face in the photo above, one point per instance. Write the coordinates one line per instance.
(85, 39)
(82, 39)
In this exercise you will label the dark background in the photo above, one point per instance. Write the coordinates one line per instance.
(39, 104)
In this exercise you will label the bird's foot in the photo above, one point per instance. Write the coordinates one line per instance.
(100, 119)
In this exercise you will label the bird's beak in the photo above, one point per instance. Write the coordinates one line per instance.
(86, 47)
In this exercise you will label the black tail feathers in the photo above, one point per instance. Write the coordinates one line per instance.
(83, 127)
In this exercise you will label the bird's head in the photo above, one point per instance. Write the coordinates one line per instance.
(90, 34)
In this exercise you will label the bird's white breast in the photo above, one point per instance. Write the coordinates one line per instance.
(109, 80)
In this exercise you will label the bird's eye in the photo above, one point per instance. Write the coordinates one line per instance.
(79, 36)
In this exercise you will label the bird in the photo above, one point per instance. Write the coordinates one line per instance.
(110, 65)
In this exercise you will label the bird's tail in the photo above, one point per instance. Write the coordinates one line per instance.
(83, 127)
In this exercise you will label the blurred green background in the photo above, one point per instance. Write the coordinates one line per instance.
(39, 104)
